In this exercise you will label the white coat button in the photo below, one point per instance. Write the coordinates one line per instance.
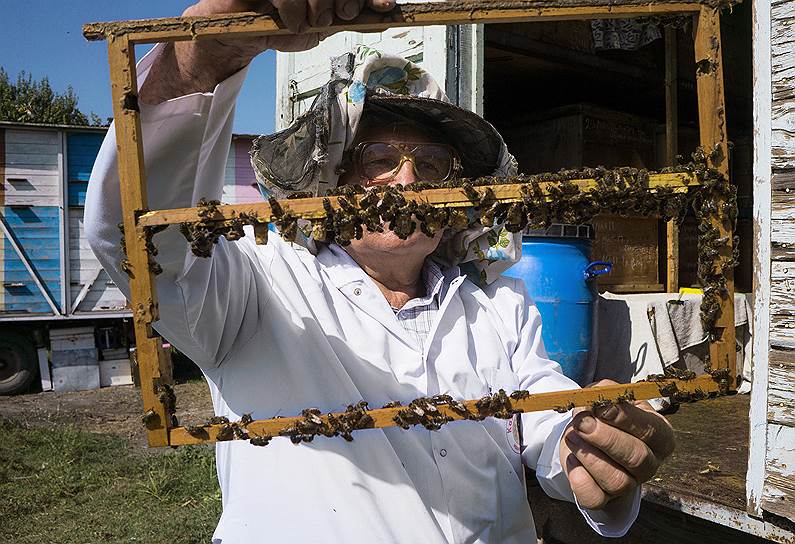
(357, 291)
(443, 452)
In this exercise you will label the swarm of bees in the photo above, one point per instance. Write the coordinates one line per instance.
(622, 191)
(314, 423)
(422, 411)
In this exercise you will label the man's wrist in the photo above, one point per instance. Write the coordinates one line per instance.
(184, 68)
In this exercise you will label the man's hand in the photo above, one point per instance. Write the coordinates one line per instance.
(609, 453)
(199, 65)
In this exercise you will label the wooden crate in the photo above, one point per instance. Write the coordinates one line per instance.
(631, 244)
(580, 135)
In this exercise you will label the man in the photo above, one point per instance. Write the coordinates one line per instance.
(282, 327)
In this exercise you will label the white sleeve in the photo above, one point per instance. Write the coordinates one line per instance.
(186, 142)
(543, 431)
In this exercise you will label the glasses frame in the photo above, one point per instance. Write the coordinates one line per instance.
(358, 151)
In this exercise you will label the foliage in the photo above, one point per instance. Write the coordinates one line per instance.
(66, 486)
(29, 101)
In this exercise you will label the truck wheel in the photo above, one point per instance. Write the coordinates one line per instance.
(18, 364)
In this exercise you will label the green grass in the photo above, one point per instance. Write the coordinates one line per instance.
(66, 486)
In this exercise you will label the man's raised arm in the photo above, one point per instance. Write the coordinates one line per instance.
(187, 98)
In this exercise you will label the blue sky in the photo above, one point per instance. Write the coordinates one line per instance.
(59, 51)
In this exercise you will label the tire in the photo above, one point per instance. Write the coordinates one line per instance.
(18, 364)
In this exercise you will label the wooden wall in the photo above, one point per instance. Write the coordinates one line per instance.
(29, 198)
(778, 492)
(44, 174)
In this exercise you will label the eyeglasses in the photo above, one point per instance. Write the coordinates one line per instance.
(378, 163)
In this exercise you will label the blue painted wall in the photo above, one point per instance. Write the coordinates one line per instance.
(36, 232)
(81, 151)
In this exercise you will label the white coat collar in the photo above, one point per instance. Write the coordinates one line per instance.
(353, 282)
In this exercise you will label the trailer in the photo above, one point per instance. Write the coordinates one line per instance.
(586, 93)
(62, 318)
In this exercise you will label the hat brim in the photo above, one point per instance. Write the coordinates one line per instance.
(478, 143)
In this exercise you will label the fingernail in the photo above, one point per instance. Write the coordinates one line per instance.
(325, 18)
(585, 425)
(608, 413)
(351, 9)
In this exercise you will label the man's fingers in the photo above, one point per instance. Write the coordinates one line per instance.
(642, 422)
(348, 9)
(381, 5)
(320, 12)
(612, 478)
(628, 451)
(292, 13)
(589, 494)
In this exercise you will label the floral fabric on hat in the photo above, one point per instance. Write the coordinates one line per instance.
(307, 155)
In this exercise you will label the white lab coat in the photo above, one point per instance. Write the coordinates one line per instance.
(276, 329)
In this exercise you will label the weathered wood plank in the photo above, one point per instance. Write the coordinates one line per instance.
(104, 294)
(782, 288)
(778, 495)
(781, 390)
(31, 168)
(762, 254)
(783, 84)
(782, 239)
(782, 331)
(783, 195)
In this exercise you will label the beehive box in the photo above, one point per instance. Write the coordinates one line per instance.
(585, 135)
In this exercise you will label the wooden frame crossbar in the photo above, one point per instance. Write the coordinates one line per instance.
(251, 24)
(155, 370)
(312, 208)
(379, 418)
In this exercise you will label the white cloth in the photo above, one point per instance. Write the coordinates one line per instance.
(642, 334)
(276, 329)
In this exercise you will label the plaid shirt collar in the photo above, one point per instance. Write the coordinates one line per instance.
(433, 278)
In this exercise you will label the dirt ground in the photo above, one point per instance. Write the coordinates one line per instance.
(109, 410)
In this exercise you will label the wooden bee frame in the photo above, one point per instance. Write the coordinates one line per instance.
(155, 371)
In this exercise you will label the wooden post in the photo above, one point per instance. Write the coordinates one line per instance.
(671, 149)
(154, 369)
(712, 128)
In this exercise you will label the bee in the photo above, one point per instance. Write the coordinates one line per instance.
(520, 394)
(150, 419)
(470, 192)
(601, 404)
(226, 432)
(457, 220)
(245, 419)
(260, 440)
(668, 389)
(197, 431)
(565, 408)
(240, 433)
(218, 420)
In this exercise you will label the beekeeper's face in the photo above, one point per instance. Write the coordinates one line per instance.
(395, 162)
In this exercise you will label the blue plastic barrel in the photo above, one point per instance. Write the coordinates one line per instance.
(559, 276)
